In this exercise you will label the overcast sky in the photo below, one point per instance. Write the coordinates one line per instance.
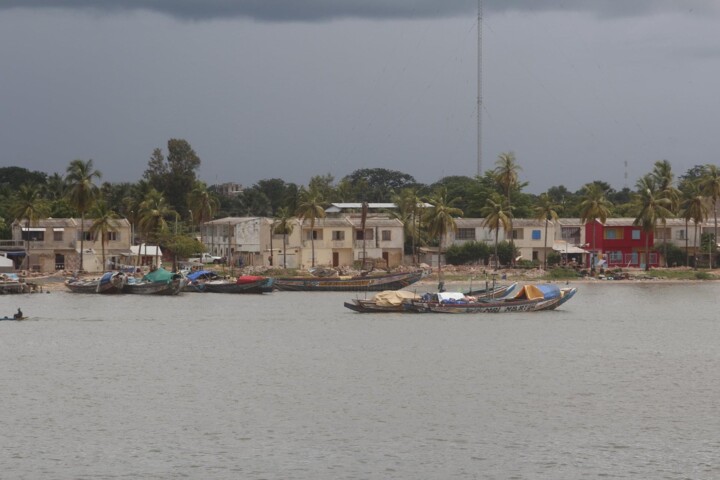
(579, 90)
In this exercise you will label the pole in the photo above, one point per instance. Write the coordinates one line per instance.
(479, 90)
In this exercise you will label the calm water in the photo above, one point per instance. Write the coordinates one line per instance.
(623, 382)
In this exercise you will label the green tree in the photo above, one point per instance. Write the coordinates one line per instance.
(546, 209)
(154, 212)
(284, 226)
(664, 180)
(175, 175)
(506, 175)
(594, 205)
(710, 185)
(103, 223)
(379, 183)
(497, 213)
(82, 193)
(693, 207)
(409, 206)
(311, 206)
(28, 205)
(204, 204)
(651, 206)
(440, 220)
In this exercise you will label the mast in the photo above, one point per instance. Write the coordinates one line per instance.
(479, 90)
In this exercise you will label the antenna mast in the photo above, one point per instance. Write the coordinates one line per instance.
(479, 90)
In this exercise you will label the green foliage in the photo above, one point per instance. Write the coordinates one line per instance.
(554, 258)
(468, 253)
(379, 184)
(674, 255)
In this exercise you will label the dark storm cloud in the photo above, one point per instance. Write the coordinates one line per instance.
(314, 10)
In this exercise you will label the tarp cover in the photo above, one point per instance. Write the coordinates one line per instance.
(389, 298)
(201, 274)
(542, 291)
(243, 279)
(159, 275)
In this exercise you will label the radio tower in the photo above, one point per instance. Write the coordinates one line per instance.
(479, 90)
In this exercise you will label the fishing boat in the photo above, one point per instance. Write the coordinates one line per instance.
(358, 283)
(209, 281)
(157, 282)
(12, 283)
(395, 300)
(110, 282)
(530, 298)
(14, 318)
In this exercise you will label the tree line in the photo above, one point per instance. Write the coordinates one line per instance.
(169, 202)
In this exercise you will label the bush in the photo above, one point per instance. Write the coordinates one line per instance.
(562, 273)
(467, 253)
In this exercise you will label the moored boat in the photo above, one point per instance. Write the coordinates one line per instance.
(157, 282)
(358, 283)
(110, 282)
(530, 298)
(397, 300)
(241, 284)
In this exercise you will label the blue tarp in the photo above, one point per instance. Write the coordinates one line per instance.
(201, 273)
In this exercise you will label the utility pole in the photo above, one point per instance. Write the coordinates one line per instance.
(479, 89)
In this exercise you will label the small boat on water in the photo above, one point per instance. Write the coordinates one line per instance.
(530, 298)
(395, 300)
(110, 282)
(357, 283)
(156, 282)
(209, 281)
(12, 283)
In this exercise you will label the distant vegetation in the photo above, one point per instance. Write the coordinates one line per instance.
(169, 202)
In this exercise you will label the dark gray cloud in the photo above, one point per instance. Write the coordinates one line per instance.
(315, 10)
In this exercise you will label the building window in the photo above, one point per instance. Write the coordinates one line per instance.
(615, 257)
(636, 234)
(338, 235)
(613, 234)
(518, 234)
(58, 237)
(465, 234)
(536, 235)
(112, 236)
(386, 237)
(368, 234)
(314, 235)
(681, 234)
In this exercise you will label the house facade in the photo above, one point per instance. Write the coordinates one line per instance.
(618, 243)
(54, 245)
(334, 241)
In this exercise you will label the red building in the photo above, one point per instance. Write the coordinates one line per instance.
(619, 243)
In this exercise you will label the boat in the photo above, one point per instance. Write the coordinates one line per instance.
(14, 318)
(12, 283)
(530, 298)
(396, 300)
(209, 281)
(110, 282)
(158, 282)
(357, 283)
(383, 302)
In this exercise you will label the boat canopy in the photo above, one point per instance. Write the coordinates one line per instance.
(538, 291)
(389, 298)
(201, 274)
(159, 275)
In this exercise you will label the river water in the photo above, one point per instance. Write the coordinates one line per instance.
(622, 382)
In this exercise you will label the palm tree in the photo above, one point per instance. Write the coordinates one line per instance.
(440, 219)
(284, 226)
(408, 205)
(546, 209)
(102, 224)
(506, 175)
(695, 208)
(594, 205)
(204, 204)
(710, 186)
(496, 214)
(82, 192)
(154, 211)
(651, 206)
(664, 181)
(311, 206)
(28, 205)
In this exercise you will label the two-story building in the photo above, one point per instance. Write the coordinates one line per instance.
(620, 243)
(54, 244)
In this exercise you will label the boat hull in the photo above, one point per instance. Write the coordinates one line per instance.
(110, 282)
(367, 283)
(173, 287)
